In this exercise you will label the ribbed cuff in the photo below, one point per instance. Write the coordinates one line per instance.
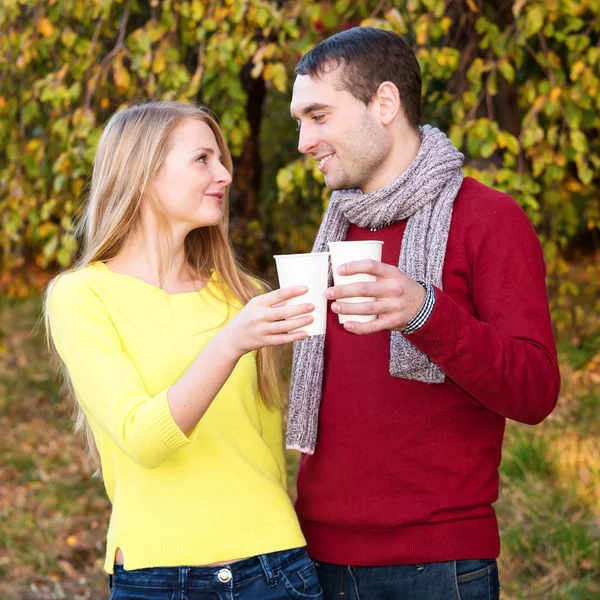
(169, 431)
(441, 334)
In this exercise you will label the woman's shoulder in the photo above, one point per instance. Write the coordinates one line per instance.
(76, 282)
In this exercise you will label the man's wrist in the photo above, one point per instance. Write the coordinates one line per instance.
(424, 312)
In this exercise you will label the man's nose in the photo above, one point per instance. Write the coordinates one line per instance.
(306, 141)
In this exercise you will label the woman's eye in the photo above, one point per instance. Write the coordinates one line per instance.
(201, 158)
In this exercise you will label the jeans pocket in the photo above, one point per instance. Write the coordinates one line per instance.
(477, 580)
(300, 580)
(126, 592)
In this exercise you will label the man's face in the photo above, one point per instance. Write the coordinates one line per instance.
(339, 131)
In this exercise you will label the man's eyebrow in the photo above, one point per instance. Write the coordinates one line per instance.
(312, 108)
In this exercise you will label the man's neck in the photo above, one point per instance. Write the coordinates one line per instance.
(404, 151)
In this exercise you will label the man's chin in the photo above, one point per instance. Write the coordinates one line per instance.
(334, 184)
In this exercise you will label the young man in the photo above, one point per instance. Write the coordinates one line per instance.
(395, 494)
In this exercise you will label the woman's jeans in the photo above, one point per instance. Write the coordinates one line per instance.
(275, 576)
(454, 580)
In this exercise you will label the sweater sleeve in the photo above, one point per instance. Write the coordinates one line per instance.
(105, 380)
(272, 433)
(505, 356)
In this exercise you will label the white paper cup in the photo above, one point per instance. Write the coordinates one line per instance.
(345, 252)
(311, 270)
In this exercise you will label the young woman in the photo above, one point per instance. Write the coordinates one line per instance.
(167, 345)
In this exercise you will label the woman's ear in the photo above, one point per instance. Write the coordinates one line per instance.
(389, 102)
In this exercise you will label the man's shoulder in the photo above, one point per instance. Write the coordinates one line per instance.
(477, 201)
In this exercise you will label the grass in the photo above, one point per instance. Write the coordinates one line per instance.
(53, 514)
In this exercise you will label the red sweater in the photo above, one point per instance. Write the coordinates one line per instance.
(406, 472)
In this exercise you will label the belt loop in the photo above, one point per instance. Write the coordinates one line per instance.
(183, 577)
(269, 574)
(111, 581)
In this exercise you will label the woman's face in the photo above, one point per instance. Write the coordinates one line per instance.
(190, 185)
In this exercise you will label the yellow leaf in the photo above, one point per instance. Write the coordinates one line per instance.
(577, 69)
(45, 27)
(77, 186)
(268, 72)
(72, 541)
(104, 103)
(121, 76)
(159, 64)
(539, 102)
(446, 23)
(422, 30)
(555, 95)
(60, 75)
(2, 102)
(471, 4)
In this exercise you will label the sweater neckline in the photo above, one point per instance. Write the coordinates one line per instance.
(136, 280)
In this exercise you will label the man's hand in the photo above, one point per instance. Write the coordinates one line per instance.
(398, 297)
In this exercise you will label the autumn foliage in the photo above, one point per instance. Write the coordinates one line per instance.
(517, 88)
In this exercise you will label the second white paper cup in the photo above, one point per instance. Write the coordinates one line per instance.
(311, 270)
(345, 252)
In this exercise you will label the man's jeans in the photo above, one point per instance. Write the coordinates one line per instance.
(285, 575)
(454, 580)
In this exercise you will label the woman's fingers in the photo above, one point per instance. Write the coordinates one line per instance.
(287, 338)
(282, 295)
(287, 312)
(289, 325)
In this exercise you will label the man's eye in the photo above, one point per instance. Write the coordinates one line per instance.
(298, 126)
(201, 158)
(317, 118)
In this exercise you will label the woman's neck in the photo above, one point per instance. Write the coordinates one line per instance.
(142, 257)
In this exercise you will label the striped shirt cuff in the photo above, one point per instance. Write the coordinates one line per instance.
(424, 313)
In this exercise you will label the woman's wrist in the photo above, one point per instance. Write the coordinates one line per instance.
(224, 346)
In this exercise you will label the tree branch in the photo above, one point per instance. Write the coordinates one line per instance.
(108, 59)
(86, 76)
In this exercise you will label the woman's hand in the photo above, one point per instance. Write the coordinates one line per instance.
(262, 322)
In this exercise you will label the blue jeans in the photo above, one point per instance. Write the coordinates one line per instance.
(454, 580)
(275, 576)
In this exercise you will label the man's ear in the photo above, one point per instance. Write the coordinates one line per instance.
(388, 98)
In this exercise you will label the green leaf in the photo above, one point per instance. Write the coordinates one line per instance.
(507, 70)
(579, 141)
(534, 20)
(487, 149)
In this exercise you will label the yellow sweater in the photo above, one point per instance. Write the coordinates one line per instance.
(215, 495)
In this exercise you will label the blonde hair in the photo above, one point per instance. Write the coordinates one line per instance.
(131, 150)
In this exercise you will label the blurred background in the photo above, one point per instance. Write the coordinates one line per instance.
(515, 84)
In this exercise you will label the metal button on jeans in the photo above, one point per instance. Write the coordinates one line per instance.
(224, 575)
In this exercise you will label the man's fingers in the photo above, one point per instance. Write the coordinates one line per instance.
(370, 289)
(360, 308)
(371, 267)
(366, 328)
(384, 288)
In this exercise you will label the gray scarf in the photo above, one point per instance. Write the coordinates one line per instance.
(423, 194)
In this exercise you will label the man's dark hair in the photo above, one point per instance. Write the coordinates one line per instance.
(369, 57)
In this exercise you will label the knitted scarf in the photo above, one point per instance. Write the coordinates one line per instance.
(423, 194)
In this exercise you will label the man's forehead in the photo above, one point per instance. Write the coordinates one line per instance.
(317, 90)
